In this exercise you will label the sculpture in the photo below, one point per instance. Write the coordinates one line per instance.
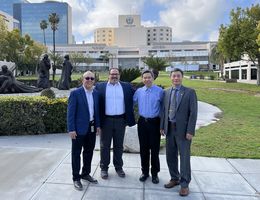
(44, 74)
(65, 80)
(8, 83)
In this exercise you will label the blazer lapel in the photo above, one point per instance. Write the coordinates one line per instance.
(167, 99)
(181, 93)
(82, 91)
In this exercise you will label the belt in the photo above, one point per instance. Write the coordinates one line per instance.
(172, 124)
(147, 119)
(115, 116)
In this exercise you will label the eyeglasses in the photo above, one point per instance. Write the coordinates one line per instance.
(90, 78)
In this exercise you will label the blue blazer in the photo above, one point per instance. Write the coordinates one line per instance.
(78, 112)
(128, 99)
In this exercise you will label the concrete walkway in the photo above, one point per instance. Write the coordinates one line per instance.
(39, 167)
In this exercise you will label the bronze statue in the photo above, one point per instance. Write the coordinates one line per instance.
(44, 74)
(65, 80)
(8, 83)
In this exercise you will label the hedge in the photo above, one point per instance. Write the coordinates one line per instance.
(32, 115)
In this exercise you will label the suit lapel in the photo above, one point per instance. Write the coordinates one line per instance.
(83, 95)
(181, 93)
(167, 99)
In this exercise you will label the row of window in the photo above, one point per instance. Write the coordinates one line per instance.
(154, 30)
(161, 34)
(161, 39)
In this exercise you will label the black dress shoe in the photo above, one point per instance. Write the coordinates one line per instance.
(104, 174)
(78, 185)
(143, 177)
(120, 173)
(89, 179)
(155, 179)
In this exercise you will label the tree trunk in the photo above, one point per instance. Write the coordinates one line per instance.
(44, 40)
(54, 64)
(258, 72)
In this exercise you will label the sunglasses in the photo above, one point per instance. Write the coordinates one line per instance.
(89, 78)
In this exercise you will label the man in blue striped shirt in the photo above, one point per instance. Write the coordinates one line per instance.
(149, 99)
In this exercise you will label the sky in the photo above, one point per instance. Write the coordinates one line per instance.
(193, 20)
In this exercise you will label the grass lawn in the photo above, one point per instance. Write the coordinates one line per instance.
(237, 133)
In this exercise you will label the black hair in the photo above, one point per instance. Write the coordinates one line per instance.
(148, 71)
(177, 70)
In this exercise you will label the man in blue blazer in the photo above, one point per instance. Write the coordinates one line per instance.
(116, 111)
(83, 124)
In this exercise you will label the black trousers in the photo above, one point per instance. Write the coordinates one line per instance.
(113, 129)
(87, 142)
(149, 138)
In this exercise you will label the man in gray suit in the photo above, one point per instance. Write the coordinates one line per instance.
(178, 121)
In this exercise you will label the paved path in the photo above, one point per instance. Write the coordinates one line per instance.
(39, 167)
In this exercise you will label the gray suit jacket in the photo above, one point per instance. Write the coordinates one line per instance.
(186, 114)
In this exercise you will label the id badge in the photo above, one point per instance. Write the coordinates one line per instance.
(92, 129)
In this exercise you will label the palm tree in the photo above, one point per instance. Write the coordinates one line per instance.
(155, 64)
(43, 26)
(54, 21)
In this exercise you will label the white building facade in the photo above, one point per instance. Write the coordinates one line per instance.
(131, 33)
(241, 70)
(180, 54)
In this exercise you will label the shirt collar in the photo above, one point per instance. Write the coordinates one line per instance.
(148, 89)
(118, 83)
(177, 87)
(88, 91)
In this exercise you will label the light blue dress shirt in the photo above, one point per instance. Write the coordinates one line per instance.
(115, 104)
(149, 101)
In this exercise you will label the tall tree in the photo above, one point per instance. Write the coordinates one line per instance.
(43, 26)
(239, 38)
(217, 58)
(54, 21)
(77, 58)
(3, 34)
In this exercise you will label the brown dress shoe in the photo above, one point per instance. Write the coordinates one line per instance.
(104, 174)
(171, 184)
(184, 191)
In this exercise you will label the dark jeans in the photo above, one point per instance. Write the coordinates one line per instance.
(149, 138)
(87, 142)
(113, 128)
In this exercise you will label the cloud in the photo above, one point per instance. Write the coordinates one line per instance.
(87, 15)
(193, 19)
(149, 23)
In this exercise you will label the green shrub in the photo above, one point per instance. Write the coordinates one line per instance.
(231, 80)
(48, 92)
(128, 75)
(32, 115)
